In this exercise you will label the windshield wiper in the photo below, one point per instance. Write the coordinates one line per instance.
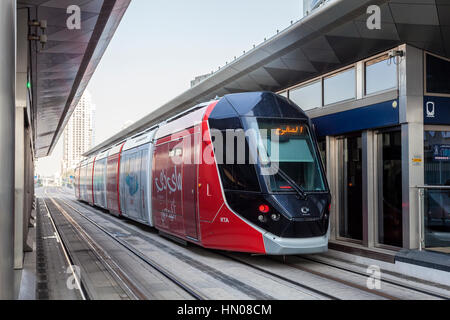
(293, 184)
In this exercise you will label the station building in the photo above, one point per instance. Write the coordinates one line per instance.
(380, 103)
(46, 66)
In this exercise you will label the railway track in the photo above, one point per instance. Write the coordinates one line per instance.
(315, 292)
(384, 280)
(336, 279)
(113, 266)
(79, 287)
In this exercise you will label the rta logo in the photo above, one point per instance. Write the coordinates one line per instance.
(224, 220)
(374, 280)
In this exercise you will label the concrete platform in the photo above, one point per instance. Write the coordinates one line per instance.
(427, 259)
(28, 279)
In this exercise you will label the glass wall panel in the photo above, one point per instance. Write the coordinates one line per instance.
(350, 177)
(381, 74)
(438, 75)
(437, 201)
(340, 87)
(390, 189)
(307, 97)
(437, 158)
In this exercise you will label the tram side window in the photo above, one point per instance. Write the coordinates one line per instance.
(438, 75)
(236, 175)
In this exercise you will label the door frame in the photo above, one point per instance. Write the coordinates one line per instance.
(341, 191)
(378, 186)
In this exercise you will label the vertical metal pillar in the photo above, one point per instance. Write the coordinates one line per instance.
(411, 91)
(20, 208)
(7, 132)
(368, 189)
(332, 181)
(19, 188)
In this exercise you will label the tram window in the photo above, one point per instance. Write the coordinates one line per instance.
(289, 146)
(340, 87)
(307, 97)
(235, 173)
(438, 75)
(381, 74)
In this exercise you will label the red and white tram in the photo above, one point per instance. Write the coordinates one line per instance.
(242, 173)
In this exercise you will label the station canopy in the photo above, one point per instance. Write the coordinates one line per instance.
(329, 38)
(61, 70)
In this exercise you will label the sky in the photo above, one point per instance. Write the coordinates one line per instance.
(161, 45)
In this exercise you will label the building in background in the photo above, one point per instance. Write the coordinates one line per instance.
(78, 134)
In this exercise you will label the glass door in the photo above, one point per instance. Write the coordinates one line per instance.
(437, 197)
(350, 187)
(389, 169)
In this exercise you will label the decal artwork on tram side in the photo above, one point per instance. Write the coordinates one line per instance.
(132, 183)
(173, 183)
(169, 214)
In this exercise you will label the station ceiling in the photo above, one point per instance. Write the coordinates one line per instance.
(62, 69)
(329, 38)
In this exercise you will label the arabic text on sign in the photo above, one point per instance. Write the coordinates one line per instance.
(290, 130)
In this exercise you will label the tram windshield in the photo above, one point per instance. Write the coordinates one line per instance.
(288, 156)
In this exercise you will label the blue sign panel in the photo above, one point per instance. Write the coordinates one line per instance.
(375, 116)
(436, 110)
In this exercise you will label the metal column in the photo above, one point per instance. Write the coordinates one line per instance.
(7, 133)
(411, 118)
(368, 189)
(332, 175)
(20, 207)
(19, 188)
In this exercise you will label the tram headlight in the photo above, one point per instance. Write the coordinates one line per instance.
(275, 217)
(262, 218)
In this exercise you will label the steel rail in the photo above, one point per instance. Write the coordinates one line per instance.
(84, 295)
(177, 281)
(301, 285)
(392, 282)
(131, 290)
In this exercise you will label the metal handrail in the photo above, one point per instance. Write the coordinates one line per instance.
(432, 187)
(421, 198)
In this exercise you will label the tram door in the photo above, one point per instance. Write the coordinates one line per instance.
(350, 187)
(190, 181)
